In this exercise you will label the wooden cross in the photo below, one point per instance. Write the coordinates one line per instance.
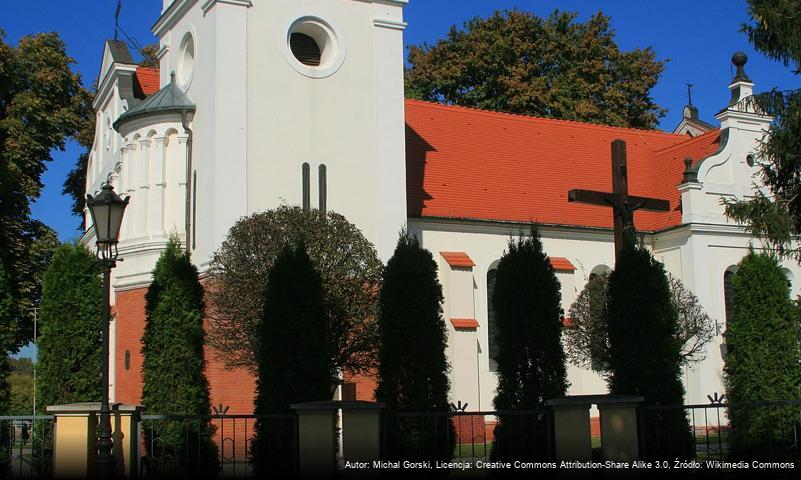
(623, 204)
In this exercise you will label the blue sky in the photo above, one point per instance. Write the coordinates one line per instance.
(698, 38)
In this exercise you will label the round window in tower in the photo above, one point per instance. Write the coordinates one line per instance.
(305, 49)
(186, 60)
(313, 48)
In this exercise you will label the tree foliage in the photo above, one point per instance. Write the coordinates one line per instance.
(42, 103)
(413, 370)
(763, 360)
(294, 361)
(173, 365)
(644, 347)
(775, 215)
(21, 381)
(587, 341)
(347, 262)
(70, 328)
(554, 67)
(531, 361)
(6, 315)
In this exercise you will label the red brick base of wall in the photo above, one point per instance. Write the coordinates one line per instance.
(231, 388)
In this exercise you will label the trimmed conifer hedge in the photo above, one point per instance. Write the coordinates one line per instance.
(68, 369)
(531, 360)
(173, 368)
(294, 356)
(644, 350)
(763, 361)
(413, 370)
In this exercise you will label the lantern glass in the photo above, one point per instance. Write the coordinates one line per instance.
(107, 210)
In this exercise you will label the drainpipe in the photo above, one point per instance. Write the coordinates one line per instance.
(188, 218)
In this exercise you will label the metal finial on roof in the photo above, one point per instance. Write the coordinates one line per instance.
(739, 59)
(689, 94)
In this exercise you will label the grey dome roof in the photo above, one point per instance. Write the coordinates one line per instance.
(169, 99)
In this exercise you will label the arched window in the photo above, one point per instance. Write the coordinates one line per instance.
(492, 342)
(306, 180)
(728, 294)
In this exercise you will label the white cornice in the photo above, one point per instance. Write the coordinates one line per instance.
(105, 86)
(175, 12)
(392, 3)
(209, 4)
(392, 24)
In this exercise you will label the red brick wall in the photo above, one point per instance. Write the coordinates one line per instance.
(232, 388)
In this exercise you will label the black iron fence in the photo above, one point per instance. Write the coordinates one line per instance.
(223, 446)
(26, 447)
(467, 438)
(769, 431)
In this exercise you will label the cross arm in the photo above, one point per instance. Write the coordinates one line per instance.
(594, 197)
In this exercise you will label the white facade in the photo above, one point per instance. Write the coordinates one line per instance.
(261, 115)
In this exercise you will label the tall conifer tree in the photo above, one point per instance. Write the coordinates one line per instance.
(644, 350)
(413, 370)
(68, 369)
(531, 361)
(294, 356)
(763, 360)
(173, 366)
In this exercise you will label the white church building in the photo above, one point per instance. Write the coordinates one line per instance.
(257, 103)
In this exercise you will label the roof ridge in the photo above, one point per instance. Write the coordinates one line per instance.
(522, 116)
(689, 141)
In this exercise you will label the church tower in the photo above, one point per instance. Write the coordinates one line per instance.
(298, 102)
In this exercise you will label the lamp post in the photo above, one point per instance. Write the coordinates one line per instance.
(106, 209)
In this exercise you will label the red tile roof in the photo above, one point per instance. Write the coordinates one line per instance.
(561, 264)
(474, 164)
(458, 259)
(464, 322)
(146, 81)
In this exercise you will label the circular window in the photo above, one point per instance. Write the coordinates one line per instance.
(305, 49)
(313, 48)
(186, 60)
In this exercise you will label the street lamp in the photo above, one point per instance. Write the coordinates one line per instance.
(106, 209)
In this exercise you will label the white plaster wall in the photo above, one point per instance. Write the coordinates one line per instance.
(485, 244)
(351, 121)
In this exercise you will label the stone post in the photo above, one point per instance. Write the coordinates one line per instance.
(571, 421)
(361, 431)
(619, 435)
(76, 434)
(316, 438)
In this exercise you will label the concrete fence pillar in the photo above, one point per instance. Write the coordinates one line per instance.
(76, 435)
(571, 423)
(619, 434)
(361, 434)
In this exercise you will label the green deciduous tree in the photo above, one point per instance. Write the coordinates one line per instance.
(587, 341)
(531, 361)
(70, 326)
(347, 262)
(173, 365)
(6, 316)
(555, 67)
(413, 370)
(775, 30)
(294, 359)
(21, 381)
(645, 350)
(763, 360)
(42, 103)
